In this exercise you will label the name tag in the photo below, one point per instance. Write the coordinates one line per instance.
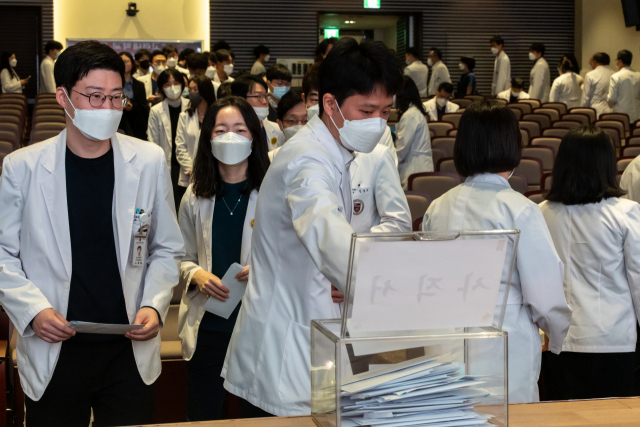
(141, 226)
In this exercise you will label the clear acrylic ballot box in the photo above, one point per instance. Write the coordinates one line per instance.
(420, 341)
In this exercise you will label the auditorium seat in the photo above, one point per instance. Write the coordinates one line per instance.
(633, 140)
(545, 154)
(630, 151)
(623, 162)
(500, 100)
(43, 135)
(433, 183)
(440, 128)
(462, 102)
(593, 115)
(543, 120)
(518, 182)
(524, 108)
(418, 204)
(535, 103)
(532, 169)
(545, 181)
(614, 135)
(444, 143)
(447, 165)
(453, 118)
(621, 117)
(475, 97)
(526, 139)
(560, 106)
(516, 111)
(437, 154)
(545, 141)
(583, 119)
(452, 132)
(567, 124)
(533, 128)
(613, 124)
(536, 196)
(553, 114)
(555, 132)
(9, 132)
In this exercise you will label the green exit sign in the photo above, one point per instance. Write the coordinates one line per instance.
(331, 32)
(372, 4)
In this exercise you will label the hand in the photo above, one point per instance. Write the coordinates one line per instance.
(51, 326)
(148, 317)
(210, 284)
(545, 346)
(336, 295)
(24, 82)
(243, 276)
(129, 106)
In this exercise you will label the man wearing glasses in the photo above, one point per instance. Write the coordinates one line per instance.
(72, 208)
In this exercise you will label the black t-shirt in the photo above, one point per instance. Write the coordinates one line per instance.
(512, 98)
(96, 287)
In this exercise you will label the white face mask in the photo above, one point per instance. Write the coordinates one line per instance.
(174, 92)
(228, 69)
(494, 50)
(429, 62)
(158, 69)
(267, 58)
(408, 62)
(532, 56)
(211, 72)
(96, 125)
(361, 135)
(58, 54)
(13, 63)
(312, 111)
(441, 102)
(516, 94)
(290, 131)
(231, 148)
(461, 66)
(172, 62)
(261, 112)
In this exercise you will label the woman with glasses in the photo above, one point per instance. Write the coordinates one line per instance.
(135, 116)
(216, 219)
(597, 235)
(256, 92)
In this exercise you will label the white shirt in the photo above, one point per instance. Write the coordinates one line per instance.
(419, 74)
(10, 82)
(159, 127)
(301, 239)
(599, 244)
(413, 145)
(148, 85)
(431, 107)
(35, 246)
(540, 80)
(216, 79)
(47, 81)
(596, 89)
(506, 94)
(187, 138)
(630, 180)
(275, 137)
(624, 93)
(566, 88)
(501, 74)
(258, 68)
(439, 74)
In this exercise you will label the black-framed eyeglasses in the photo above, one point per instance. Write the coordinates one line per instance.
(264, 97)
(96, 99)
(291, 122)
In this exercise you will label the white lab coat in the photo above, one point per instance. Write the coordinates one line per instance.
(506, 94)
(566, 88)
(439, 74)
(596, 89)
(432, 108)
(275, 137)
(216, 79)
(624, 93)
(35, 246)
(413, 145)
(187, 137)
(599, 243)
(536, 298)
(47, 80)
(10, 81)
(148, 86)
(419, 73)
(159, 129)
(195, 218)
(301, 239)
(540, 80)
(630, 180)
(501, 74)
(258, 68)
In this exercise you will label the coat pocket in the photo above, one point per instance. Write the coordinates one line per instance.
(294, 385)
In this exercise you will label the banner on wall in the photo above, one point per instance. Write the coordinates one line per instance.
(133, 45)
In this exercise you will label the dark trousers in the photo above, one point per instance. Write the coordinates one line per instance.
(102, 376)
(178, 191)
(572, 375)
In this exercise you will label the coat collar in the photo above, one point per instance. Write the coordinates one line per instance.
(490, 178)
(338, 153)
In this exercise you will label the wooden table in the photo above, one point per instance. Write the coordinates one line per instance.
(601, 413)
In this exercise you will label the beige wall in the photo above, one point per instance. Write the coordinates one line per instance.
(157, 19)
(600, 28)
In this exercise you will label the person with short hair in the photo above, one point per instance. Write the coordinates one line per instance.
(278, 78)
(150, 81)
(47, 80)
(172, 56)
(566, 88)
(224, 66)
(301, 236)
(142, 57)
(9, 79)
(540, 77)
(624, 88)
(261, 53)
(467, 82)
(310, 91)
(437, 106)
(415, 69)
(182, 57)
(216, 219)
(219, 45)
(597, 235)
(488, 149)
(501, 68)
(439, 71)
(596, 84)
(324, 47)
(78, 200)
(292, 116)
(135, 114)
(198, 64)
(516, 93)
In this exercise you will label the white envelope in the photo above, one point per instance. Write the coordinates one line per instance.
(102, 328)
(236, 292)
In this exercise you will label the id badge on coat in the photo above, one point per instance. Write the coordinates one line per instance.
(141, 225)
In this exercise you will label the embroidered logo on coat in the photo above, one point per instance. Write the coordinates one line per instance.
(358, 206)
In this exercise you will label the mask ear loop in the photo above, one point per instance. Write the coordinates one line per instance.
(74, 107)
(334, 123)
(511, 174)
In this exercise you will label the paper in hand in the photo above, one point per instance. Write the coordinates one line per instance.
(236, 292)
(102, 328)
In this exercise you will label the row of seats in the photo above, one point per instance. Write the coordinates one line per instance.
(13, 116)
(48, 118)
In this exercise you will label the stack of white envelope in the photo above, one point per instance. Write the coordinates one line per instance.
(418, 392)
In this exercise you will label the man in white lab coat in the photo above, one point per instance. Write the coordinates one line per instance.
(596, 84)
(501, 68)
(515, 93)
(416, 70)
(88, 232)
(302, 236)
(439, 105)
(540, 77)
(439, 71)
(624, 88)
(51, 51)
